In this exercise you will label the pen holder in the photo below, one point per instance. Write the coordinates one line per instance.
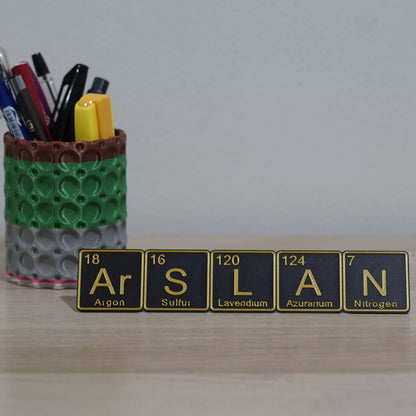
(61, 197)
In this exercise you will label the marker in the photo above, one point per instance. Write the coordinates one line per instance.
(35, 90)
(72, 89)
(99, 86)
(42, 72)
(10, 113)
(30, 115)
(93, 118)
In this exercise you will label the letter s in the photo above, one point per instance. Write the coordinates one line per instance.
(177, 281)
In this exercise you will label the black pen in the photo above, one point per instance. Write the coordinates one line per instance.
(42, 71)
(27, 108)
(61, 125)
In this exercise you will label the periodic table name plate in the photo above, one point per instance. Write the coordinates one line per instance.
(243, 281)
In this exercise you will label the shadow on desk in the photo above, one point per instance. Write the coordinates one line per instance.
(71, 301)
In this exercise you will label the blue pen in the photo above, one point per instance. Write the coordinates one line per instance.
(10, 114)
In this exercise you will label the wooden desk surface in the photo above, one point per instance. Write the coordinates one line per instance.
(57, 361)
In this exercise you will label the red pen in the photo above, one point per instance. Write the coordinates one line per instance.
(35, 91)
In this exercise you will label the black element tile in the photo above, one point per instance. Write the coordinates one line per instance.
(376, 281)
(110, 280)
(243, 281)
(176, 280)
(309, 281)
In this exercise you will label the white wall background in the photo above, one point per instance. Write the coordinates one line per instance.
(247, 116)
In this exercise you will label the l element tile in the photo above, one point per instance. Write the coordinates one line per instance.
(243, 281)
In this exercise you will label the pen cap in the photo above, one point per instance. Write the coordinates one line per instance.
(93, 117)
(86, 123)
(99, 86)
(40, 65)
(35, 92)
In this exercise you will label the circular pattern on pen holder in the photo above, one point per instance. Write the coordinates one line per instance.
(61, 197)
(48, 258)
(65, 185)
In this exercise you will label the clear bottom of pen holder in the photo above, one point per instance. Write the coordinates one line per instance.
(61, 197)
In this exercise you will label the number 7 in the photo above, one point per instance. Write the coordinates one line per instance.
(351, 259)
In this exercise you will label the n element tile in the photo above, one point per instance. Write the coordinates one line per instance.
(376, 281)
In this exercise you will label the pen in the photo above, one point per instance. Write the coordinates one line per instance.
(62, 121)
(93, 118)
(4, 66)
(10, 114)
(99, 86)
(35, 90)
(30, 115)
(42, 72)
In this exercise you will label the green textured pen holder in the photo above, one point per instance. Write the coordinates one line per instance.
(61, 197)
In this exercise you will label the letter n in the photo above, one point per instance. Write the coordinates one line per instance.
(367, 276)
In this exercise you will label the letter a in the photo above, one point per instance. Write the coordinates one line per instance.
(367, 276)
(102, 272)
(312, 285)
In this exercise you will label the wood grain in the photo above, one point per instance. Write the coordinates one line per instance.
(55, 358)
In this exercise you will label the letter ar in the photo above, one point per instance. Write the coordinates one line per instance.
(102, 273)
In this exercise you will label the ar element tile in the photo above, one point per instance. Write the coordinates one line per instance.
(376, 281)
(176, 280)
(110, 280)
(243, 281)
(309, 281)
